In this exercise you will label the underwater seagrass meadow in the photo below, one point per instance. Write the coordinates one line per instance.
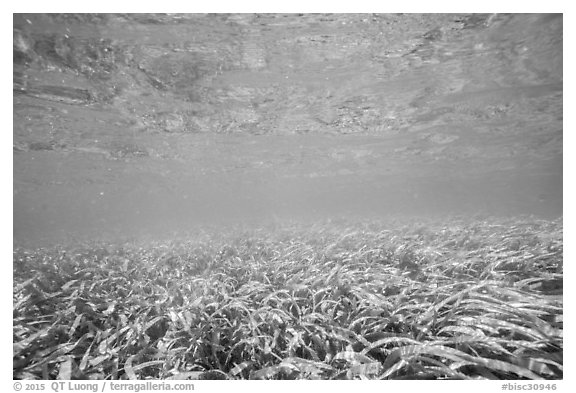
(477, 298)
(288, 196)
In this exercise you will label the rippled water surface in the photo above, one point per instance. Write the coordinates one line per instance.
(129, 125)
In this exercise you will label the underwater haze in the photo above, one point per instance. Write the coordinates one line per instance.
(136, 125)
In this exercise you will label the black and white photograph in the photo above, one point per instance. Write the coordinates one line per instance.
(287, 196)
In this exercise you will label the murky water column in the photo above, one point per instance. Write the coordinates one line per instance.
(125, 128)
